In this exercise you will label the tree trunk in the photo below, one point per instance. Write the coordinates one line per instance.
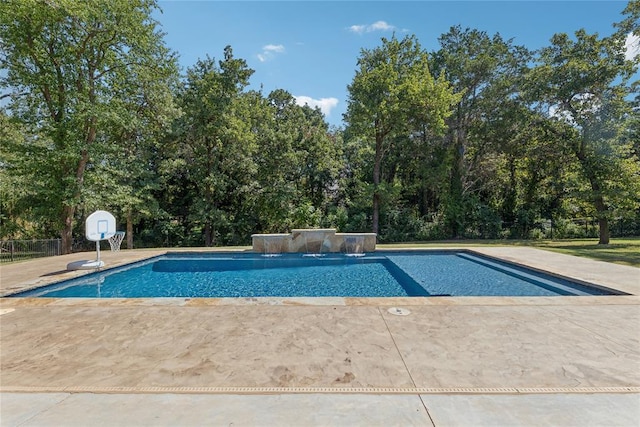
(207, 234)
(603, 222)
(601, 211)
(455, 208)
(598, 200)
(67, 231)
(510, 195)
(601, 207)
(129, 230)
(69, 211)
(376, 211)
(604, 231)
(376, 183)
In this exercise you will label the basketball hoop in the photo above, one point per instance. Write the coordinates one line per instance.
(116, 240)
(100, 225)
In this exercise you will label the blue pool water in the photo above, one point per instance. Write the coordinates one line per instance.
(381, 274)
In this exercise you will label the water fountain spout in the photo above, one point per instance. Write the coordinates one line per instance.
(354, 245)
(313, 241)
(272, 246)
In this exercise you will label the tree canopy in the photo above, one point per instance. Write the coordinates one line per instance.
(73, 70)
(393, 95)
(480, 138)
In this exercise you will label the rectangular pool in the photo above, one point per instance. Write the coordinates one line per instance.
(379, 274)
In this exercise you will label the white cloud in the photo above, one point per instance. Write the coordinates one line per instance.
(325, 104)
(376, 26)
(275, 48)
(631, 46)
(358, 29)
(381, 26)
(269, 52)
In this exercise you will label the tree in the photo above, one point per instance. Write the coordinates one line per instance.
(392, 91)
(218, 142)
(277, 129)
(298, 163)
(12, 184)
(631, 22)
(486, 71)
(128, 173)
(68, 66)
(583, 85)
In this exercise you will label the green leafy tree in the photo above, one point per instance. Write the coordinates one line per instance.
(298, 163)
(70, 69)
(392, 93)
(218, 142)
(631, 21)
(583, 85)
(486, 71)
(353, 199)
(13, 210)
(126, 177)
(278, 131)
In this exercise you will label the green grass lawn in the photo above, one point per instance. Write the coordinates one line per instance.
(620, 251)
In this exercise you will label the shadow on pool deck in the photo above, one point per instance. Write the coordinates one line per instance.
(348, 357)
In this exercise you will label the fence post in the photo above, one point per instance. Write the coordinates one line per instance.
(11, 250)
(58, 246)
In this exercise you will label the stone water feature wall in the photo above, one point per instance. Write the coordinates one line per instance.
(314, 240)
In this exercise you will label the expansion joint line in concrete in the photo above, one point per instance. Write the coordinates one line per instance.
(396, 346)
(318, 390)
(404, 363)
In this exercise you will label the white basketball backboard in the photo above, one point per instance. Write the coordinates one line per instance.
(100, 225)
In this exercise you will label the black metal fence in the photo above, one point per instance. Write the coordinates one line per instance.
(17, 250)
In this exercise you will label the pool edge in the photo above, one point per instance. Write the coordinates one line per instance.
(136, 256)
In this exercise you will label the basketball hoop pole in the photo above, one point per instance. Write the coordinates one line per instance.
(98, 250)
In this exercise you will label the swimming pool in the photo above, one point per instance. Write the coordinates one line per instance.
(379, 274)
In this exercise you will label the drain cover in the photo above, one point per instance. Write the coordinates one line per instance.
(399, 311)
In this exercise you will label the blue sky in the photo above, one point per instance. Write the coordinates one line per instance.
(310, 48)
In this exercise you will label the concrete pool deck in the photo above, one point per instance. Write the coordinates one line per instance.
(328, 361)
